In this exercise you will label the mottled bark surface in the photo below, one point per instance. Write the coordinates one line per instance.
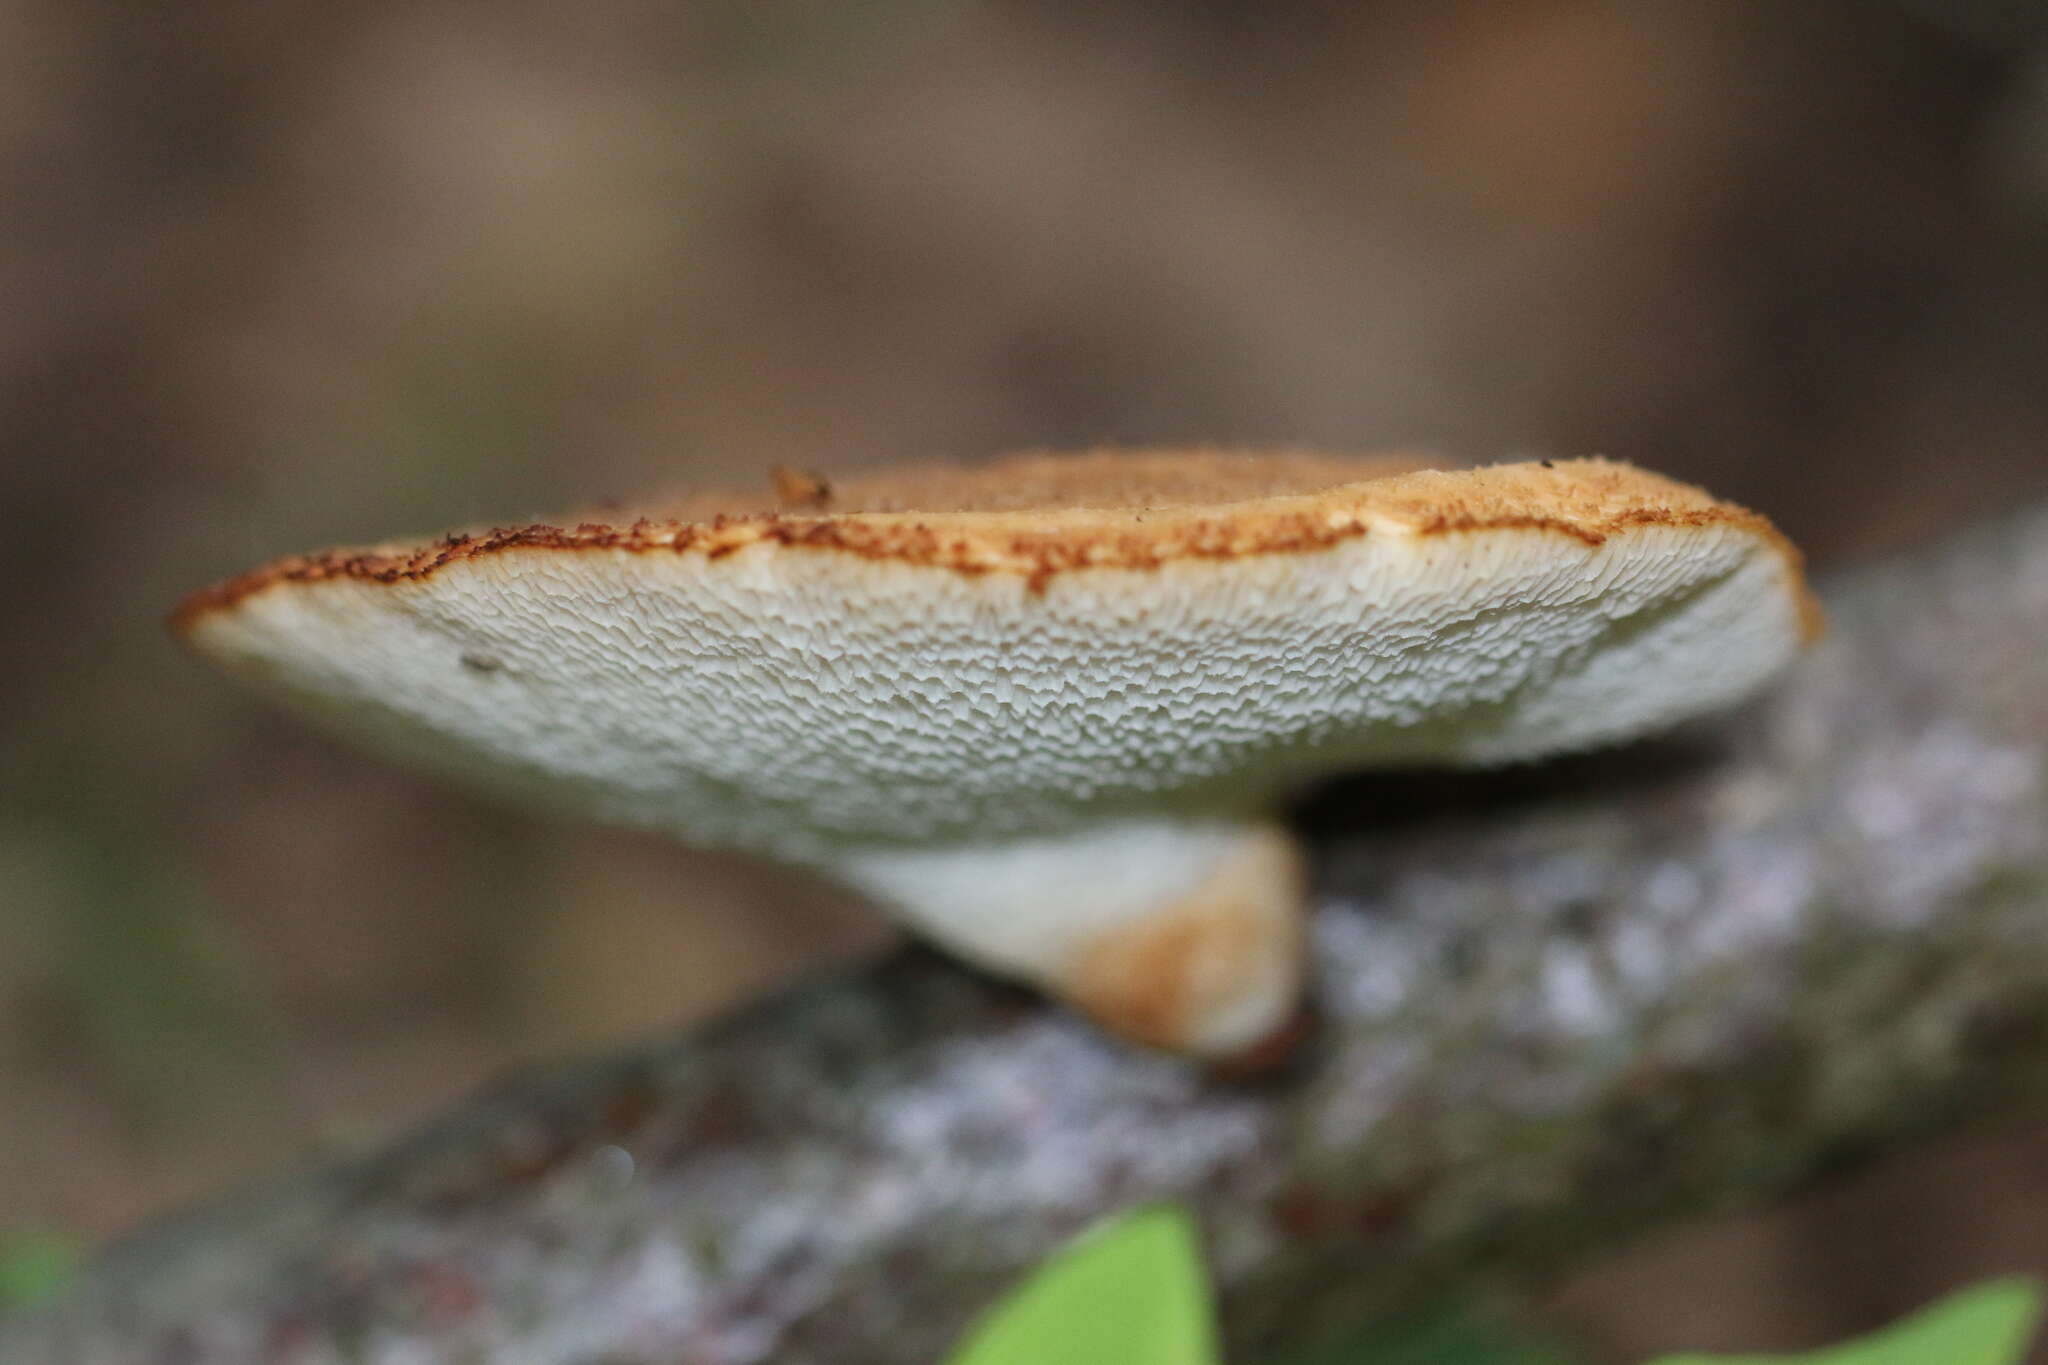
(1558, 1004)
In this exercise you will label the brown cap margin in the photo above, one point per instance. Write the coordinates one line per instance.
(1042, 515)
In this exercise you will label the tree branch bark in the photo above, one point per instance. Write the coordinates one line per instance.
(1559, 1004)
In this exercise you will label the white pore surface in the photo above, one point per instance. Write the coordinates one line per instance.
(807, 701)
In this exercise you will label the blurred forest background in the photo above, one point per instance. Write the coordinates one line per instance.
(279, 274)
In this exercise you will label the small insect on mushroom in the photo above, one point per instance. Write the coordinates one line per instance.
(799, 487)
(1044, 710)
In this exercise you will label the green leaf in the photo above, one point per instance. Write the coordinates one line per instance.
(1985, 1325)
(1128, 1292)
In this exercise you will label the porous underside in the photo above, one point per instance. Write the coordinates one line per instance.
(1032, 644)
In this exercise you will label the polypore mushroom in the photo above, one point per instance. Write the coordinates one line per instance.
(1044, 709)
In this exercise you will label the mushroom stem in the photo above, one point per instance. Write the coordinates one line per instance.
(1184, 934)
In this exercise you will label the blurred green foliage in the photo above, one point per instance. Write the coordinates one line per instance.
(1129, 1292)
(1133, 1291)
(1989, 1324)
(1451, 1334)
(33, 1268)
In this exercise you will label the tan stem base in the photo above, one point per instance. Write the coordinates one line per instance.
(1183, 935)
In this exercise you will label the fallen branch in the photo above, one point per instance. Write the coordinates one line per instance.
(1558, 1004)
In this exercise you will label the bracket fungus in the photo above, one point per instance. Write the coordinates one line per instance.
(1044, 709)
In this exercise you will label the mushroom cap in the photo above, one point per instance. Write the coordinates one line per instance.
(1026, 645)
